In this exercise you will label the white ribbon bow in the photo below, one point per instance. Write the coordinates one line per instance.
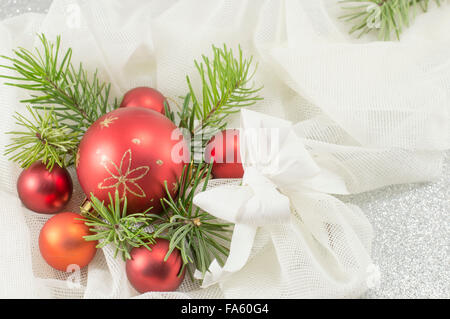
(276, 164)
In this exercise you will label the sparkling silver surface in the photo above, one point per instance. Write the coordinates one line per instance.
(412, 237)
(9, 8)
(411, 222)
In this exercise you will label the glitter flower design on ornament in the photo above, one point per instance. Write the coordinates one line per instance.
(107, 121)
(123, 178)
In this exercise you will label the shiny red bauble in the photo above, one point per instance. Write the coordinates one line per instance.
(134, 151)
(62, 244)
(144, 97)
(224, 149)
(44, 191)
(147, 270)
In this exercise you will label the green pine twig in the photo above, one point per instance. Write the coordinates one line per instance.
(226, 86)
(52, 79)
(386, 17)
(199, 236)
(111, 225)
(44, 138)
(76, 101)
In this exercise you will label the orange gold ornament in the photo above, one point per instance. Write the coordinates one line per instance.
(62, 244)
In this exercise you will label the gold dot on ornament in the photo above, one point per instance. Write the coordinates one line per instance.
(159, 162)
(136, 141)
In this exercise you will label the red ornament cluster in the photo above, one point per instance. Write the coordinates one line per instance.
(135, 150)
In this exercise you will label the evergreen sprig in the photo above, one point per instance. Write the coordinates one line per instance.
(387, 17)
(44, 138)
(198, 235)
(76, 101)
(80, 99)
(226, 86)
(111, 224)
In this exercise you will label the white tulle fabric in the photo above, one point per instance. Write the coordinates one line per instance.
(368, 114)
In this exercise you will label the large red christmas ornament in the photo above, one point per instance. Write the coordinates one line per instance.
(44, 191)
(147, 270)
(62, 244)
(132, 150)
(224, 149)
(144, 97)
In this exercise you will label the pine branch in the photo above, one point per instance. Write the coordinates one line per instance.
(387, 17)
(44, 139)
(76, 101)
(111, 224)
(225, 88)
(198, 235)
(50, 73)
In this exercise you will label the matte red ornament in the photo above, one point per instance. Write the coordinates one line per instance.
(224, 149)
(144, 97)
(147, 270)
(132, 150)
(62, 245)
(44, 191)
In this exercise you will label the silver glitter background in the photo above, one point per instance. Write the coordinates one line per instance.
(9, 8)
(411, 222)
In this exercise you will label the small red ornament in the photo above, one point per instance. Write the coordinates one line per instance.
(132, 150)
(144, 97)
(147, 270)
(44, 191)
(224, 149)
(62, 244)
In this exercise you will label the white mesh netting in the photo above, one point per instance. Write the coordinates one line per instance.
(375, 113)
